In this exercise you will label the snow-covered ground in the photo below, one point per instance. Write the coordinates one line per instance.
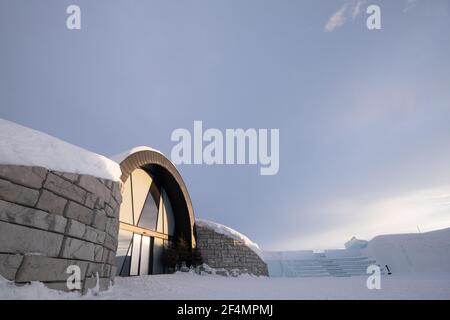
(192, 286)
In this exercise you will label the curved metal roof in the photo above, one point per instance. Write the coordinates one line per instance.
(167, 175)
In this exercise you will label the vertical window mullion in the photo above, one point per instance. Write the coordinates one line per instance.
(140, 255)
(132, 200)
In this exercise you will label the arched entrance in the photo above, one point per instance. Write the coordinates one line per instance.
(155, 211)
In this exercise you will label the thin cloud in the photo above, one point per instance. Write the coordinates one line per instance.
(357, 9)
(350, 9)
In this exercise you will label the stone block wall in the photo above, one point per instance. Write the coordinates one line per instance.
(50, 220)
(220, 251)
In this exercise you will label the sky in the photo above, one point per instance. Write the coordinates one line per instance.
(364, 115)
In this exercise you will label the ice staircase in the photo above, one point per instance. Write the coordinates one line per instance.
(321, 265)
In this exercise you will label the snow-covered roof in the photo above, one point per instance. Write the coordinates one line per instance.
(20, 145)
(122, 156)
(229, 232)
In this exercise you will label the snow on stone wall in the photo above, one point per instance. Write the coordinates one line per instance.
(24, 146)
(231, 233)
(50, 220)
(221, 249)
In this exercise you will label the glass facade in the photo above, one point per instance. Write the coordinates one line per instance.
(147, 225)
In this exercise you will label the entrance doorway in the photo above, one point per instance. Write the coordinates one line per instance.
(147, 226)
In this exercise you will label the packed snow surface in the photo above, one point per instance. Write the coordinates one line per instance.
(193, 286)
(412, 252)
(229, 232)
(122, 156)
(20, 145)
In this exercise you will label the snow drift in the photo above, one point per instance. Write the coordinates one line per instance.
(24, 146)
(415, 252)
